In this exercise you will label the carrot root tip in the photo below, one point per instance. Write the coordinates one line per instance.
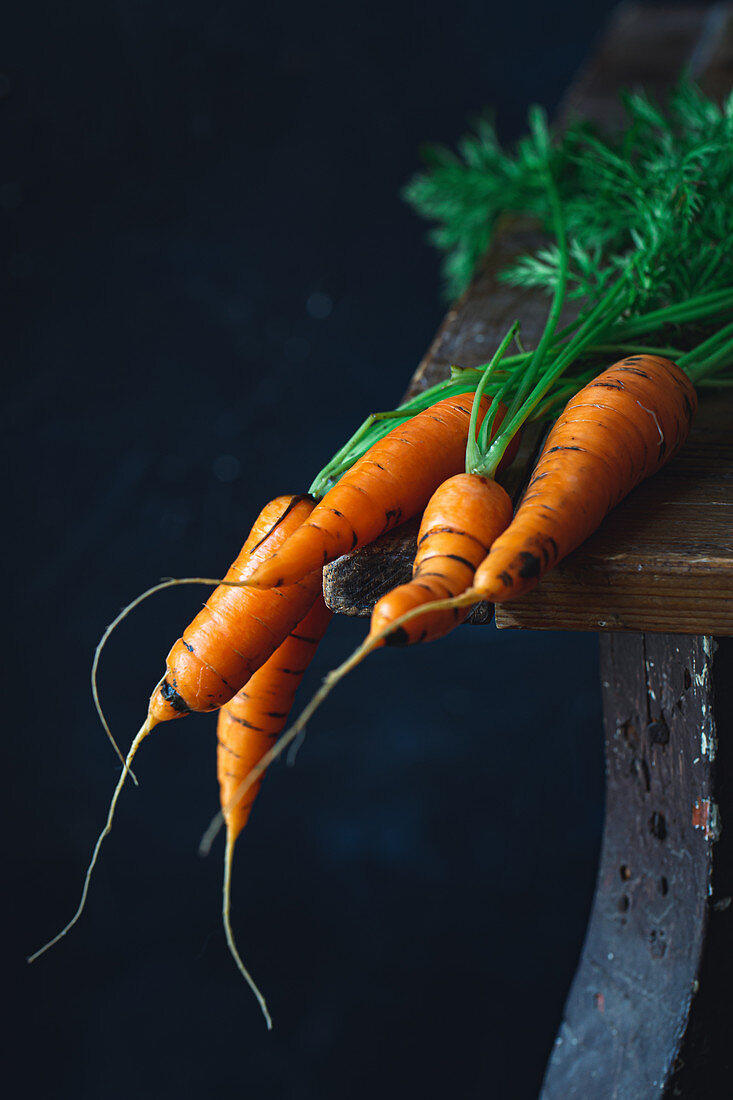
(225, 911)
(139, 737)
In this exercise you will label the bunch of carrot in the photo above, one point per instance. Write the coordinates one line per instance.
(439, 454)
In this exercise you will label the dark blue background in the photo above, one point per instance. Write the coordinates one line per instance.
(177, 181)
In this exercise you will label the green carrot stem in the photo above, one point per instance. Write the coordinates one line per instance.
(473, 453)
(484, 434)
(633, 349)
(584, 336)
(369, 431)
(708, 355)
(476, 451)
(558, 297)
(701, 306)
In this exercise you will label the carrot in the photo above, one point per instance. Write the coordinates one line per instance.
(390, 483)
(237, 630)
(251, 721)
(235, 633)
(247, 726)
(463, 518)
(616, 431)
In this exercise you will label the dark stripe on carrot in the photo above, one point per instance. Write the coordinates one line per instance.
(453, 531)
(635, 370)
(172, 697)
(462, 561)
(244, 722)
(530, 565)
(354, 536)
(293, 503)
(228, 749)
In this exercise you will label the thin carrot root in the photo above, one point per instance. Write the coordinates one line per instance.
(372, 641)
(170, 582)
(143, 732)
(287, 738)
(225, 912)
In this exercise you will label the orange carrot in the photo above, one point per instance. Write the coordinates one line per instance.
(616, 431)
(250, 722)
(463, 518)
(248, 725)
(390, 483)
(237, 630)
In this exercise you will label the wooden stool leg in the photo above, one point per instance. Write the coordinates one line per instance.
(648, 1014)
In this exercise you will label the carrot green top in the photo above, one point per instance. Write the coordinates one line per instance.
(641, 245)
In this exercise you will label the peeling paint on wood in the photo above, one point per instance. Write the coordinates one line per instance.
(648, 935)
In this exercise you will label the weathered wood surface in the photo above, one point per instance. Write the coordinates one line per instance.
(649, 1011)
(680, 587)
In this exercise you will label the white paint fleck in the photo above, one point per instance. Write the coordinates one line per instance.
(654, 418)
(610, 956)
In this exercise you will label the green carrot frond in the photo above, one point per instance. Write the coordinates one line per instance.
(658, 191)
